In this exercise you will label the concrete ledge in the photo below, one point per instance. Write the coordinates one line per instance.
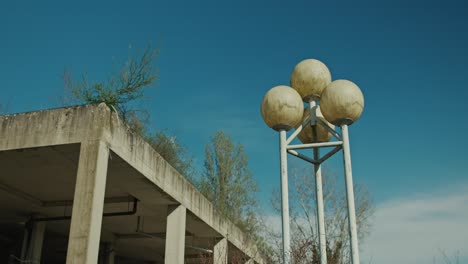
(52, 127)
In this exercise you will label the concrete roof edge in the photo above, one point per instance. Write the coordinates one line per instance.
(140, 155)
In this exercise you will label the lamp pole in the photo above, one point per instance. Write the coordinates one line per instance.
(350, 195)
(341, 104)
(284, 197)
(318, 187)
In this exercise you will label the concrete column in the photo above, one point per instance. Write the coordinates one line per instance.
(220, 252)
(110, 253)
(35, 242)
(88, 203)
(24, 246)
(175, 235)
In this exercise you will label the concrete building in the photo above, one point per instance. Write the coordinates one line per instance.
(77, 187)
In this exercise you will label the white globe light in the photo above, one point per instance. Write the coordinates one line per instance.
(342, 102)
(309, 78)
(282, 108)
(307, 133)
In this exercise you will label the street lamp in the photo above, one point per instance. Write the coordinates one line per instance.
(341, 104)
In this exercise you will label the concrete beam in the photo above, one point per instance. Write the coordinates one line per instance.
(20, 194)
(220, 252)
(85, 228)
(175, 235)
(109, 200)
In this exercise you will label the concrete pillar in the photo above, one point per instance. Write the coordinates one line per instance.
(24, 246)
(35, 243)
(88, 203)
(220, 252)
(109, 253)
(175, 235)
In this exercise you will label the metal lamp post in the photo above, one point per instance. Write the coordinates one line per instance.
(341, 104)
(282, 110)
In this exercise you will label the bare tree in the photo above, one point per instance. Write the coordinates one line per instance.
(446, 259)
(228, 182)
(304, 239)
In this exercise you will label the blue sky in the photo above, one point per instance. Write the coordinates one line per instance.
(217, 60)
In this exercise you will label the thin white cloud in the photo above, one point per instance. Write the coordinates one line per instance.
(416, 229)
(273, 222)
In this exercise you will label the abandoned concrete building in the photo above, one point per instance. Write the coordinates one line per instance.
(77, 187)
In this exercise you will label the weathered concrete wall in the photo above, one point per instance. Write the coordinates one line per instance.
(52, 127)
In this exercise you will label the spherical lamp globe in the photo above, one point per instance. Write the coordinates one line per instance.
(309, 78)
(282, 108)
(306, 135)
(342, 102)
